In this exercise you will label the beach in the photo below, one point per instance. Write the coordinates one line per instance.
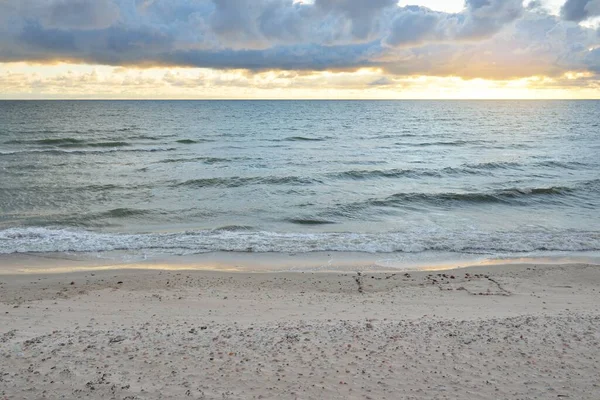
(300, 199)
(518, 331)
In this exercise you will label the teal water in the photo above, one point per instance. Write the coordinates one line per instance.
(187, 177)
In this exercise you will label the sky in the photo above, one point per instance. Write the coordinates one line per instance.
(288, 49)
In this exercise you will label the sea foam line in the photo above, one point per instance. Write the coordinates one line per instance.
(35, 239)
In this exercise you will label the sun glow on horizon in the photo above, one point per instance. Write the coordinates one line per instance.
(82, 81)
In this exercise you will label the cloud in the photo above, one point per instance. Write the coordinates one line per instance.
(579, 10)
(536, 44)
(383, 81)
(63, 14)
(593, 60)
(81, 14)
(484, 18)
(416, 25)
(480, 20)
(362, 16)
(487, 39)
(21, 80)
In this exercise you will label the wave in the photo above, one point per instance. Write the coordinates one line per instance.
(493, 165)
(245, 181)
(192, 141)
(83, 189)
(304, 139)
(58, 141)
(441, 143)
(121, 213)
(233, 228)
(497, 196)
(205, 160)
(476, 168)
(146, 137)
(97, 144)
(69, 142)
(214, 160)
(178, 160)
(571, 165)
(82, 151)
(393, 136)
(73, 131)
(383, 173)
(564, 195)
(109, 144)
(309, 221)
(77, 142)
(45, 240)
(49, 141)
(470, 169)
(94, 220)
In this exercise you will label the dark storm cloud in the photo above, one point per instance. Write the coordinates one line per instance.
(579, 10)
(486, 39)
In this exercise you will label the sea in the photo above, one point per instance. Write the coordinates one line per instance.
(495, 179)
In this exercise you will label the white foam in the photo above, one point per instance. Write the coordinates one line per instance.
(25, 240)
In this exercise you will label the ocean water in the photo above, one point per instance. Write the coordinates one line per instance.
(496, 178)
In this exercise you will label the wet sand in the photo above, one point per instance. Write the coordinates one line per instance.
(526, 331)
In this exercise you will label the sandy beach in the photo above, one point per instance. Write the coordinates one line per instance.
(526, 331)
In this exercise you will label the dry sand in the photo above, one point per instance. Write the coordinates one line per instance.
(496, 332)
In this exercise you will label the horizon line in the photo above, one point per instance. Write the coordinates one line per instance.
(303, 99)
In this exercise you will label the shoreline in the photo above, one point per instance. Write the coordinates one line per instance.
(330, 262)
(487, 332)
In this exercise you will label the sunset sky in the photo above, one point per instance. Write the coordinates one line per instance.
(206, 49)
